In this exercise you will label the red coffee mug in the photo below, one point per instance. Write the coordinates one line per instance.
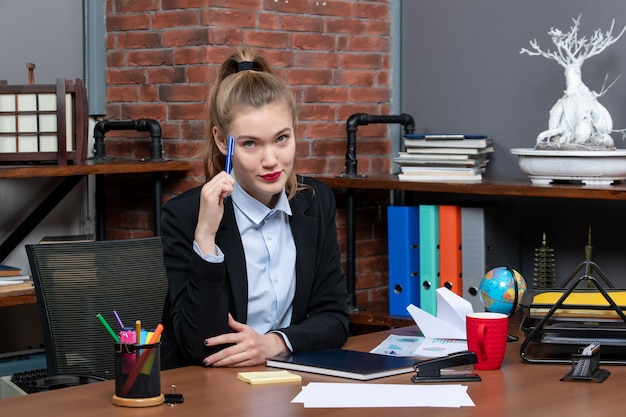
(486, 336)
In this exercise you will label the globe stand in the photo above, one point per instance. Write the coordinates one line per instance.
(510, 337)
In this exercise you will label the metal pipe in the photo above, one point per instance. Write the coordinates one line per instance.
(354, 121)
(362, 119)
(140, 125)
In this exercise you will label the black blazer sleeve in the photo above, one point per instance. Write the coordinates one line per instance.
(196, 306)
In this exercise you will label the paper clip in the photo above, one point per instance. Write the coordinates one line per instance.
(173, 398)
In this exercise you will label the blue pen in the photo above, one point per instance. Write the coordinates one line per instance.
(229, 154)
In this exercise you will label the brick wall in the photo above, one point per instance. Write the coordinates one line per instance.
(163, 54)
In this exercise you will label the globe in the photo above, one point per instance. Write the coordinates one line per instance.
(497, 289)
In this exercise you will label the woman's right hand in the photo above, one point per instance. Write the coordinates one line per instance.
(212, 210)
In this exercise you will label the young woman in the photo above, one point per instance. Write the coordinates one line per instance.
(252, 256)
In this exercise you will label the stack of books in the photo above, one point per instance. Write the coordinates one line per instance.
(11, 279)
(443, 157)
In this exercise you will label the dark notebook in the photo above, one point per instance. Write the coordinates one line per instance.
(344, 363)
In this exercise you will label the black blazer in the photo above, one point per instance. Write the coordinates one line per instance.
(200, 293)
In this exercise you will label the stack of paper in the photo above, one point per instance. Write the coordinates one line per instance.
(337, 395)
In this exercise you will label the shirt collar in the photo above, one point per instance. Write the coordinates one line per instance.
(254, 209)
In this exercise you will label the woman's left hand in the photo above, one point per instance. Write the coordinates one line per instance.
(249, 348)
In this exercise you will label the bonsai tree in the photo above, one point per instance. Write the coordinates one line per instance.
(577, 121)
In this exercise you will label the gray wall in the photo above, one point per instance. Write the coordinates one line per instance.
(45, 32)
(49, 34)
(462, 71)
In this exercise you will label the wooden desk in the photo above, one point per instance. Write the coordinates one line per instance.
(518, 389)
(72, 174)
(14, 298)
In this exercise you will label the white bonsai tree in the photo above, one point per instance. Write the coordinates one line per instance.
(577, 121)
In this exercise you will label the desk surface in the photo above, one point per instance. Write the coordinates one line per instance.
(518, 389)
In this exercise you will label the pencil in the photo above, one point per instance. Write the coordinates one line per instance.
(108, 328)
(138, 332)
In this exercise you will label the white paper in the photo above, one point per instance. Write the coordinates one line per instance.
(450, 320)
(339, 395)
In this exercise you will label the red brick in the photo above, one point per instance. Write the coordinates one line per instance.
(302, 23)
(164, 75)
(316, 42)
(343, 25)
(184, 4)
(137, 40)
(125, 22)
(157, 57)
(126, 6)
(189, 37)
(126, 93)
(266, 39)
(232, 18)
(370, 10)
(146, 111)
(176, 19)
(188, 56)
(171, 93)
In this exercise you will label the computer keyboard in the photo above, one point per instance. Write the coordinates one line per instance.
(27, 380)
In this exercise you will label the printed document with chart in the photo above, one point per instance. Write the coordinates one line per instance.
(441, 335)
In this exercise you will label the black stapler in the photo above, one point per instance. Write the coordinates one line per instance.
(430, 370)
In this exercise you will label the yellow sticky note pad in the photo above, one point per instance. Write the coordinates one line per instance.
(268, 377)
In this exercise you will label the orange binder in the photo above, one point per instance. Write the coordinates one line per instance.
(450, 261)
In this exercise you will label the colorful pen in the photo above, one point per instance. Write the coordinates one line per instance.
(117, 317)
(229, 154)
(141, 361)
(108, 328)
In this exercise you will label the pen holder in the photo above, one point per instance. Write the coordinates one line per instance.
(137, 375)
(586, 368)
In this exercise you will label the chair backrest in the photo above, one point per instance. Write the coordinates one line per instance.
(76, 281)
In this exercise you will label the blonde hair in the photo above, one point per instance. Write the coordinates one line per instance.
(245, 80)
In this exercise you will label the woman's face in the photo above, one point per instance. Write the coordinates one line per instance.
(264, 151)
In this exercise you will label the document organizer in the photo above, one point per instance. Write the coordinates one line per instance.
(44, 123)
(557, 322)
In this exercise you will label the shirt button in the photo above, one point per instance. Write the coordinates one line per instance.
(275, 278)
(270, 236)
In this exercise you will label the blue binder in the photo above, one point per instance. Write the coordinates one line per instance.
(429, 257)
(403, 245)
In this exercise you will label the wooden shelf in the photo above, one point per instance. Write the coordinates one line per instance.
(92, 167)
(500, 187)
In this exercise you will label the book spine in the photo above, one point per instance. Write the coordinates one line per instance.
(429, 257)
(403, 246)
(450, 256)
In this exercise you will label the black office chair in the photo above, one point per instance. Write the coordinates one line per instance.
(76, 281)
